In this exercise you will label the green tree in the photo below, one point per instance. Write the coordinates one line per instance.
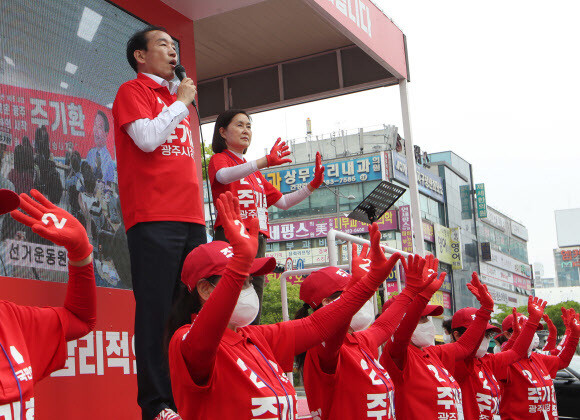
(208, 154)
(272, 304)
(553, 311)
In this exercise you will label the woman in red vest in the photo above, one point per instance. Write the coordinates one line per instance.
(222, 367)
(229, 171)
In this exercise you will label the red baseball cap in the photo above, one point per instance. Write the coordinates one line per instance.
(211, 259)
(432, 310)
(9, 201)
(464, 317)
(508, 322)
(321, 284)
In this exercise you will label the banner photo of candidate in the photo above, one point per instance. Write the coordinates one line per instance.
(62, 146)
(350, 171)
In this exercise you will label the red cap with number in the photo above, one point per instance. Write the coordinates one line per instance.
(211, 259)
(507, 322)
(321, 284)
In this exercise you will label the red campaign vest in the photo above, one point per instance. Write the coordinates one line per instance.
(480, 388)
(359, 389)
(425, 389)
(247, 382)
(529, 391)
(254, 192)
(33, 345)
(161, 185)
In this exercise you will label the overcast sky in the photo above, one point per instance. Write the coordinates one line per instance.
(498, 83)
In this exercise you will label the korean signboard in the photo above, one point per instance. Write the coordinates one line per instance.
(428, 183)
(428, 232)
(480, 200)
(368, 168)
(405, 228)
(455, 238)
(510, 264)
(466, 207)
(519, 230)
(318, 228)
(495, 219)
(443, 244)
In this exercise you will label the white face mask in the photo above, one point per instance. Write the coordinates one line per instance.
(534, 344)
(424, 334)
(364, 317)
(447, 338)
(482, 350)
(246, 309)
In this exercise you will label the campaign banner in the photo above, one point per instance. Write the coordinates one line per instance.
(405, 228)
(99, 367)
(288, 179)
(28, 254)
(428, 183)
(318, 228)
(71, 123)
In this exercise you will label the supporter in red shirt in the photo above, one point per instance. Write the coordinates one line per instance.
(222, 367)
(528, 390)
(32, 339)
(477, 375)
(229, 171)
(342, 377)
(423, 373)
(160, 200)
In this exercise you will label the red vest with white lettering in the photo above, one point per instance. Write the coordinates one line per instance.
(480, 388)
(255, 193)
(161, 185)
(425, 388)
(360, 388)
(33, 339)
(528, 391)
(247, 382)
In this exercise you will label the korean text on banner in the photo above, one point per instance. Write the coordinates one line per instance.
(443, 244)
(455, 237)
(405, 228)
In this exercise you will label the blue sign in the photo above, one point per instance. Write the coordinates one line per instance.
(300, 264)
(350, 171)
(428, 184)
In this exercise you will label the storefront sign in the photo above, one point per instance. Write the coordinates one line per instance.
(428, 183)
(466, 206)
(428, 231)
(496, 220)
(481, 201)
(510, 264)
(350, 171)
(318, 228)
(406, 231)
(455, 237)
(519, 230)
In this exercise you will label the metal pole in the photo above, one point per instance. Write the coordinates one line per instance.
(417, 224)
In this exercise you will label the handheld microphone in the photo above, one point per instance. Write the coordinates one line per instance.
(180, 73)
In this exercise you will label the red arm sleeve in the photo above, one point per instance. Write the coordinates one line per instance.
(568, 351)
(469, 341)
(331, 319)
(79, 314)
(199, 347)
(398, 348)
(509, 344)
(551, 341)
(329, 352)
(386, 324)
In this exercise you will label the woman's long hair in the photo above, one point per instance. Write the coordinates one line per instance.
(303, 312)
(185, 304)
